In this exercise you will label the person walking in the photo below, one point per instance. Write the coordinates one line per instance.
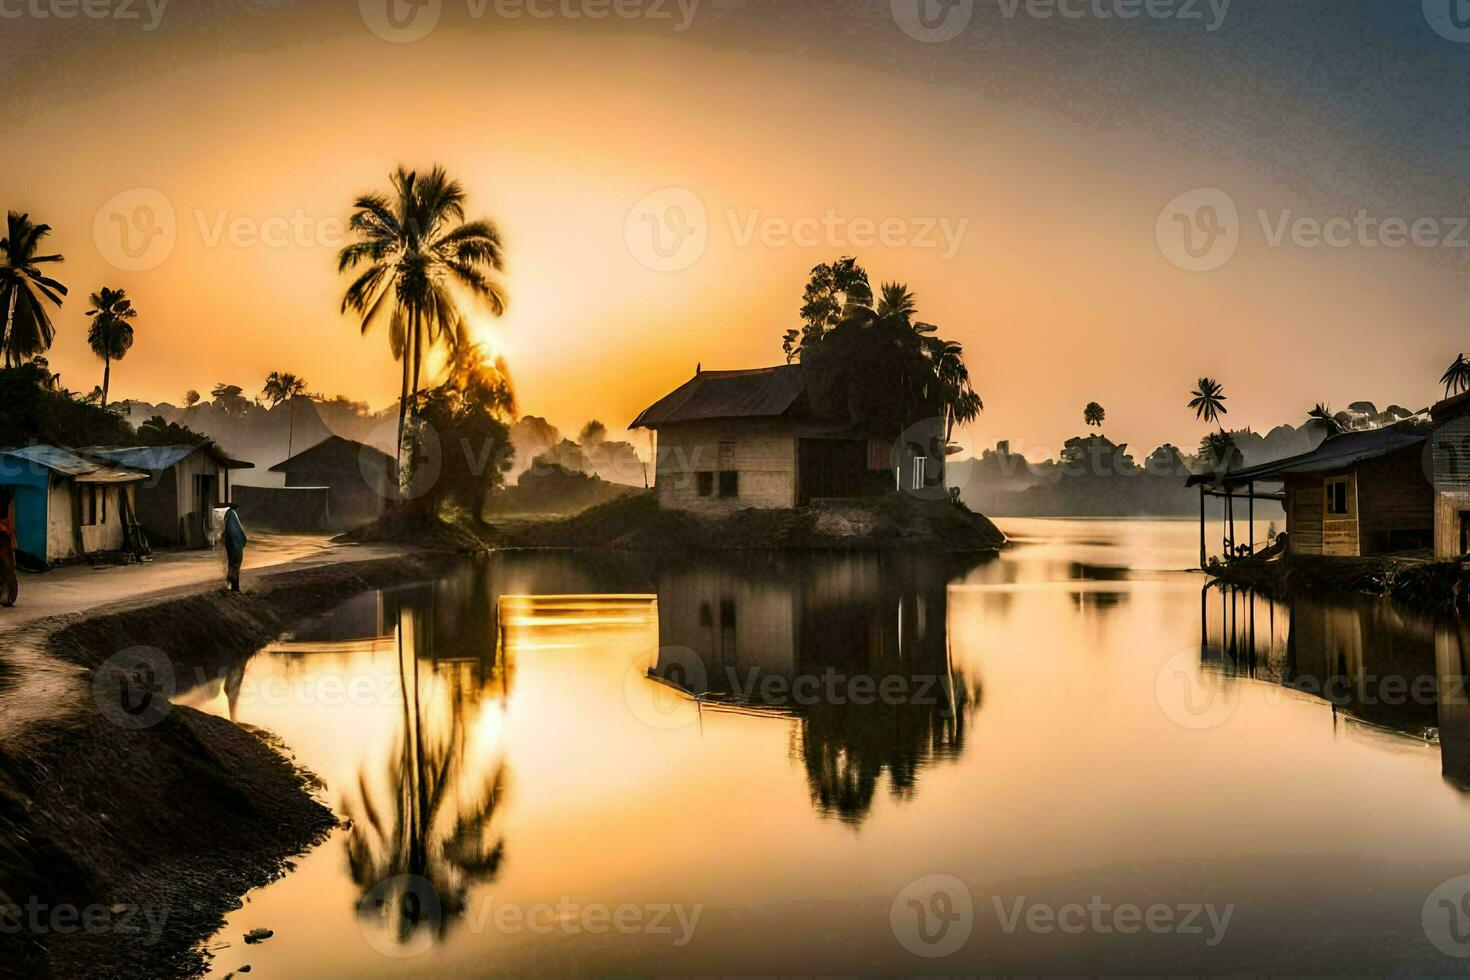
(235, 542)
(9, 585)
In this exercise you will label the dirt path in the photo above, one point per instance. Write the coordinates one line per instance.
(36, 687)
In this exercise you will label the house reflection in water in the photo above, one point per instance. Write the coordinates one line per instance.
(1373, 661)
(853, 647)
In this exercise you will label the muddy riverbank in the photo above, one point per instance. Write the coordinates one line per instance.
(1428, 586)
(129, 825)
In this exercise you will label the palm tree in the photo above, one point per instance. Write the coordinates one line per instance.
(1321, 417)
(25, 326)
(1221, 449)
(1094, 414)
(417, 248)
(111, 335)
(283, 386)
(1457, 378)
(1209, 401)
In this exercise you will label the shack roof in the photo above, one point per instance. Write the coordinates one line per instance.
(1335, 453)
(157, 458)
(334, 449)
(761, 393)
(66, 463)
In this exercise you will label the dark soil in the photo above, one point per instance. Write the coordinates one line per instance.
(158, 831)
(1431, 586)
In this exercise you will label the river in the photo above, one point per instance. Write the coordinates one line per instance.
(1070, 758)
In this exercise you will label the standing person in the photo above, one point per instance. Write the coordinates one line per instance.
(9, 585)
(235, 541)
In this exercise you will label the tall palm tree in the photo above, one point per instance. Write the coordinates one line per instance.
(283, 386)
(1209, 400)
(1321, 417)
(418, 249)
(111, 333)
(1094, 414)
(25, 326)
(1457, 378)
(962, 404)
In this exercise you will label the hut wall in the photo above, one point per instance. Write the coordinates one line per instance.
(1304, 511)
(1448, 506)
(1396, 503)
(763, 453)
(158, 508)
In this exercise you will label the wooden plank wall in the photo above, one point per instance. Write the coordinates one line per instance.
(1305, 502)
(1397, 501)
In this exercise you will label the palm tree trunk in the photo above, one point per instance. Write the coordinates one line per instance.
(418, 357)
(402, 403)
(291, 428)
(106, 378)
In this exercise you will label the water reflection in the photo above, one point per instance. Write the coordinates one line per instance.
(854, 647)
(1376, 663)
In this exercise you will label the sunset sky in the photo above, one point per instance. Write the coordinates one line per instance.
(774, 131)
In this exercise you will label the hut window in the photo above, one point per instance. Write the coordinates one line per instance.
(727, 455)
(705, 481)
(1337, 502)
(729, 483)
(921, 466)
(92, 509)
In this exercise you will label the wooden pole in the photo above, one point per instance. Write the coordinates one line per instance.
(1251, 509)
(1203, 559)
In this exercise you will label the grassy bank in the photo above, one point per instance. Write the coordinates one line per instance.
(155, 832)
(892, 523)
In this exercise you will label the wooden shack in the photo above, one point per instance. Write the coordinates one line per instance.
(185, 484)
(1358, 493)
(67, 507)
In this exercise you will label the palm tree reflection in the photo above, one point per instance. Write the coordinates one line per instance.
(419, 849)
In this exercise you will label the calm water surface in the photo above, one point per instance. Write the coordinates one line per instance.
(523, 758)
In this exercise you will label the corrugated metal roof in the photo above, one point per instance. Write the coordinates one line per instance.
(67, 463)
(761, 393)
(1335, 453)
(156, 458)
(339, 446)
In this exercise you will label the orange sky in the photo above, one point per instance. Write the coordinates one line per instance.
(1058, 286)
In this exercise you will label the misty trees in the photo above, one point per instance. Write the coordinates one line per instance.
(25, 325)
(419, 250)
(111, 333)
